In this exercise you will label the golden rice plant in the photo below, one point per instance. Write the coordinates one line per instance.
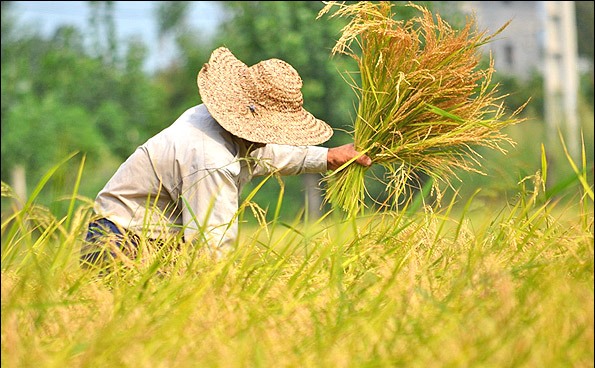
(425, 102)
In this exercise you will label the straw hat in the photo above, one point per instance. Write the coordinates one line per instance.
(261, 103)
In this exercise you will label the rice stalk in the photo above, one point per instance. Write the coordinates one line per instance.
(425, 103)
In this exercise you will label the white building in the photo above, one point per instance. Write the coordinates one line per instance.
(541, 37)
(519, 49)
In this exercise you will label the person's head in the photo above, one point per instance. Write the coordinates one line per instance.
(262, 103)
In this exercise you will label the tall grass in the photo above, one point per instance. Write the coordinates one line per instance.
(425, 101)
(425, 286)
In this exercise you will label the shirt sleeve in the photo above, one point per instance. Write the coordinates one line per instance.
(289, 160)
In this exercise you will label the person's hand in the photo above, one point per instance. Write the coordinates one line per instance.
(337, 156)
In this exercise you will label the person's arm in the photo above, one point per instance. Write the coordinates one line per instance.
(289, 160)
(294, 160)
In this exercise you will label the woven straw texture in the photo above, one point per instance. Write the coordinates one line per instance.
(262, 103)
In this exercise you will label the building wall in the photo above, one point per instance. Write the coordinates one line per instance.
(541, 38)
(518, 50)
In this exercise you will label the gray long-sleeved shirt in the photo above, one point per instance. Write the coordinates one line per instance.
(189, 178)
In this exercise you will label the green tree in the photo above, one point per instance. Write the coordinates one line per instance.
(59, 97)
(103, 31)
(193, 48)
(584, 24)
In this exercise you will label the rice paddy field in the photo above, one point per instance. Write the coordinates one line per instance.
(460, 285)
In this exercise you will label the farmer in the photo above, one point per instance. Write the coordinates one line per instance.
(187, 179)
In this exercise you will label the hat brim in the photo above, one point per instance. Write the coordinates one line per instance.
(220, 86)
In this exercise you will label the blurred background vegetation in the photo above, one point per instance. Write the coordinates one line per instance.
(83, 90)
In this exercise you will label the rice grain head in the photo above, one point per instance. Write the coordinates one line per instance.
(425, 103)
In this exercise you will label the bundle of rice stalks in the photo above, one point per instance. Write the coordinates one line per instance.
(425, 103)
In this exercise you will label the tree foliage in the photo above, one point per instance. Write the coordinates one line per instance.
(60, 97)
